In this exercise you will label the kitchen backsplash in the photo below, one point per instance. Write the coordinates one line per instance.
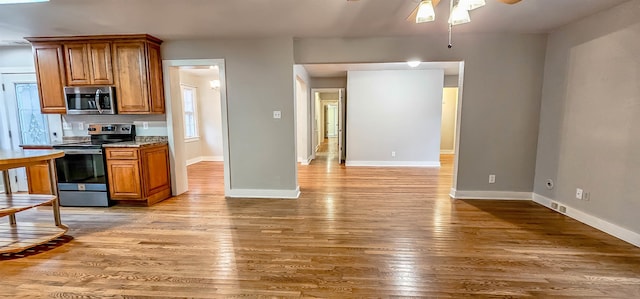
(76, 125)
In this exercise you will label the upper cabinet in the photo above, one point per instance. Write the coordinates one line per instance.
(50, 75)
(130, 63)
(88, 63)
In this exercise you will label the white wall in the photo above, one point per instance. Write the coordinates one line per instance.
(193, 148)
(394, 111)
(449, 113)
(210, 116)
(16, 57)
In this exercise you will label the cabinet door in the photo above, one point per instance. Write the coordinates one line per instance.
(156, 87)
(156, 170)
(124, 179)
(130, 72)
(49, 64)
(100, 63)
(38, 178)
(77, 58)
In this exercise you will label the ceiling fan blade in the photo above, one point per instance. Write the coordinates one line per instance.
(509, 1)
(412, 16)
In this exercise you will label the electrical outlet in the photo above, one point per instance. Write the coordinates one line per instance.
(562, 209)
(492, 179)
(80, 126)
(66, 126)
(277, 114)
(586, 196)
(554, 205)
(579, 193)
(145, 125)
(393, 154)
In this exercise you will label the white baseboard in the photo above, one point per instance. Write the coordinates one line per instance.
(212, 158)
(447, 152)
(264, 193)
(394, 163)
(194, 160)
(205, 159)
(494, 195)
(304, 161)
(593, 221)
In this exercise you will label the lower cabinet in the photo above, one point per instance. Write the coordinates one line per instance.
(38, 179)
(139, 174)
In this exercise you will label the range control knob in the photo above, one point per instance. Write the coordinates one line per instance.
(125, 129)
(92, 129)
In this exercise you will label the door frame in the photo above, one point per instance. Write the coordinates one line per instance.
(175, 130)
(341, 120)
(4, 121)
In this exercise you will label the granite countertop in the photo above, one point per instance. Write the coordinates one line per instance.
(65, 140)
(141, 141)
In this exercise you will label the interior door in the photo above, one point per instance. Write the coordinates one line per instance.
(25, 123)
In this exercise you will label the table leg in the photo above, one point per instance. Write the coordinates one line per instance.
(7, 190)
(53, 177)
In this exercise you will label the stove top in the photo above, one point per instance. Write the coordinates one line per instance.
(103, 134)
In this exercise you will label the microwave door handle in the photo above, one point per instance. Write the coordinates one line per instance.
(98, 106)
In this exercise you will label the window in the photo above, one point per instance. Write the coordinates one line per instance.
(189, 103)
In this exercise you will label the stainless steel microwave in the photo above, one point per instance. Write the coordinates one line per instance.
(90, 100)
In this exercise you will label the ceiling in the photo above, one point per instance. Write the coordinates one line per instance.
(340, 70)
(200, 71)
(187, 19)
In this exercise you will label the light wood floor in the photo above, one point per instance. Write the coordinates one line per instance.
(354, 233)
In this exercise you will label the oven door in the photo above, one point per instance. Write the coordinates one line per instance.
(81, 170)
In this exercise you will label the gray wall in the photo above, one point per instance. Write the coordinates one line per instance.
(259, 76)
(451, 81)
(501, 99)
(394, 111)
(16, 57)
(329, 82)
(590, 116)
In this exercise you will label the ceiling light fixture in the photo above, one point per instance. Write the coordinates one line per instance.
(426, 13)
(21, 1)
(459, 16)
(471, 4)
(414, 63)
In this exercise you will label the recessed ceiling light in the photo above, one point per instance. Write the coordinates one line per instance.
(414, 63)
(21, 1)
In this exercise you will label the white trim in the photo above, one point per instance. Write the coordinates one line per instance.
(491, 195)
(394, 163)
(194, 161)
(205, 159)
(212, 158)
(192, 139)
(447, 152)
(304, 161)
(264, 193)
(593, 221)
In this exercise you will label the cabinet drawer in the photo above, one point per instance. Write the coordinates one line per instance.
(122, 154)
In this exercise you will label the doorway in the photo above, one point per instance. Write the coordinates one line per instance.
(196, 101)
(23, 123)
(328, 124)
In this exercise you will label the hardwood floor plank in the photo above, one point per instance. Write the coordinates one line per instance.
(354, 233)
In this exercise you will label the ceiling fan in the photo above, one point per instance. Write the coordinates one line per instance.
(424, 11)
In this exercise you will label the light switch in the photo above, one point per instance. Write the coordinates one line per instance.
(277, 114)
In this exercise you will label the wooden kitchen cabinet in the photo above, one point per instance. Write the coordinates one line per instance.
(131, 63)
(139, 174)
(49, 63)
(88, 63)
(138, 78)
(38, 179)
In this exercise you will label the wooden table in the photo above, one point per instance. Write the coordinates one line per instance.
(16, 237)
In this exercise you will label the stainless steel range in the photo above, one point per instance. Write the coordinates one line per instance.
(82, 177)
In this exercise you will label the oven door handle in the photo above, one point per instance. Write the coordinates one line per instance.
(82, 151)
